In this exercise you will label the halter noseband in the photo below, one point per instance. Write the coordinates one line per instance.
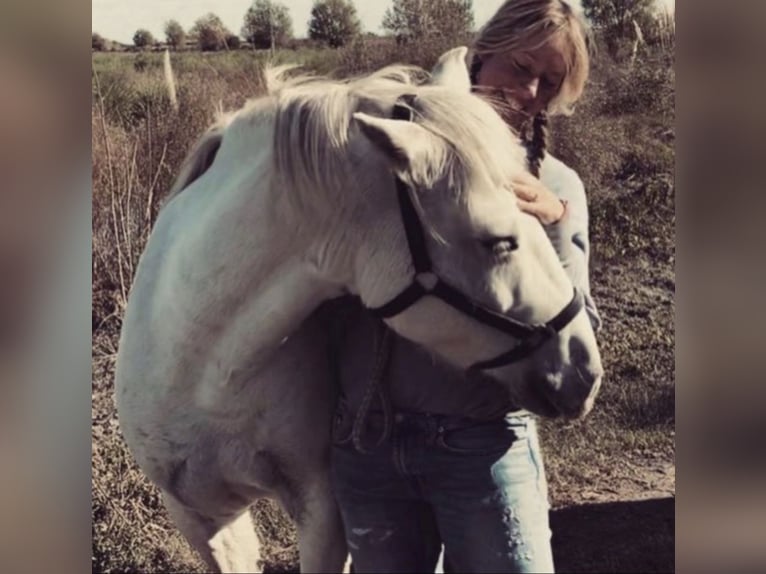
(427, 282)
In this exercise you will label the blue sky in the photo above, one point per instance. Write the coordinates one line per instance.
(119, 19)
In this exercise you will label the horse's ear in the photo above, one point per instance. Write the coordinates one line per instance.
(411, 150)
(451, 70)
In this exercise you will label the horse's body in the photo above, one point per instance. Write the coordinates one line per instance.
(235, 400)
(222, 381)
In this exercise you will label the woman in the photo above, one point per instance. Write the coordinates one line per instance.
(463, 465)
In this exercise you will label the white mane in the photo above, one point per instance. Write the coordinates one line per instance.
(313, 119)
(313, 131)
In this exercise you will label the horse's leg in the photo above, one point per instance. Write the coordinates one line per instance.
(321, 539)
(226, 544)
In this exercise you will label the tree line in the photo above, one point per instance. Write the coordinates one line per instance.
(267, 24)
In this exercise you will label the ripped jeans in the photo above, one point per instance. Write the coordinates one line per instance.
(479, 488)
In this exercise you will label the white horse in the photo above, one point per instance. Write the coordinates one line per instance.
(223, 386)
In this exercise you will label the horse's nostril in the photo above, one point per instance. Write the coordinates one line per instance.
(586, 361)
(578, 352)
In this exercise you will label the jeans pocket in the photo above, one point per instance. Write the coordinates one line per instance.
(489, 438)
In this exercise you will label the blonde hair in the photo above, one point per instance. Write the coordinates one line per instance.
(525, 25)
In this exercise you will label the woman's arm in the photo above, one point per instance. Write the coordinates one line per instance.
(563, 210)
(569, 237)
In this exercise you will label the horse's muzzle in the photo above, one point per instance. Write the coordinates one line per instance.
(574, 394)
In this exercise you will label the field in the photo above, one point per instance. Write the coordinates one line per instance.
(612, 476)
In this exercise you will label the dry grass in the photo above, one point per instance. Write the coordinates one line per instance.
(620, 141)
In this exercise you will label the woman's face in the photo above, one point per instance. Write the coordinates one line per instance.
(528, 80)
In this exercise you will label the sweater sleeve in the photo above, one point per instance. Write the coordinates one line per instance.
(570, 236)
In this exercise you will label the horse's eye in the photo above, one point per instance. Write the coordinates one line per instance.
(500, 246)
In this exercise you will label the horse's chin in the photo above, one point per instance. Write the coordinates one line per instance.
(534, 400)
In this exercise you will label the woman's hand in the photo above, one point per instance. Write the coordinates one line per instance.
(538, 200)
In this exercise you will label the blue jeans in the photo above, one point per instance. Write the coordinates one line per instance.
(477, 487)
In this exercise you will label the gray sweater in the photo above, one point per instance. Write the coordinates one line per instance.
(421, 382)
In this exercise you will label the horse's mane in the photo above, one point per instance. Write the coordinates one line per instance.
(200, 158)
(312, 126)
(312, 118)
(314, 115)
(292, 110)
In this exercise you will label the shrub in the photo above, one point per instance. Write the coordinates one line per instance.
(97, 43)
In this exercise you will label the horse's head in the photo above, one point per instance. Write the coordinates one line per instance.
(448, 217)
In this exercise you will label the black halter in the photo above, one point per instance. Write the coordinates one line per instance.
(426, 282)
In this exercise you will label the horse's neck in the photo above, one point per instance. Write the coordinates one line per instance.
(261, 282)
(274, 311)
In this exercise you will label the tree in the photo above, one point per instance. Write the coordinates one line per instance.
(97, 42)
(621, 20)
(143, 38)
(267, 25)
(420, 19)
(334, 22)
(210, 33)
(175, 34)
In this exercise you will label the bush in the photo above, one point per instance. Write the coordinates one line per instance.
(233, 42)
(646, 87)
(97, 43)
(620, 142)
(624, 125)
(140, 63)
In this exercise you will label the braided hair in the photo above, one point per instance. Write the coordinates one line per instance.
(536, 144)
